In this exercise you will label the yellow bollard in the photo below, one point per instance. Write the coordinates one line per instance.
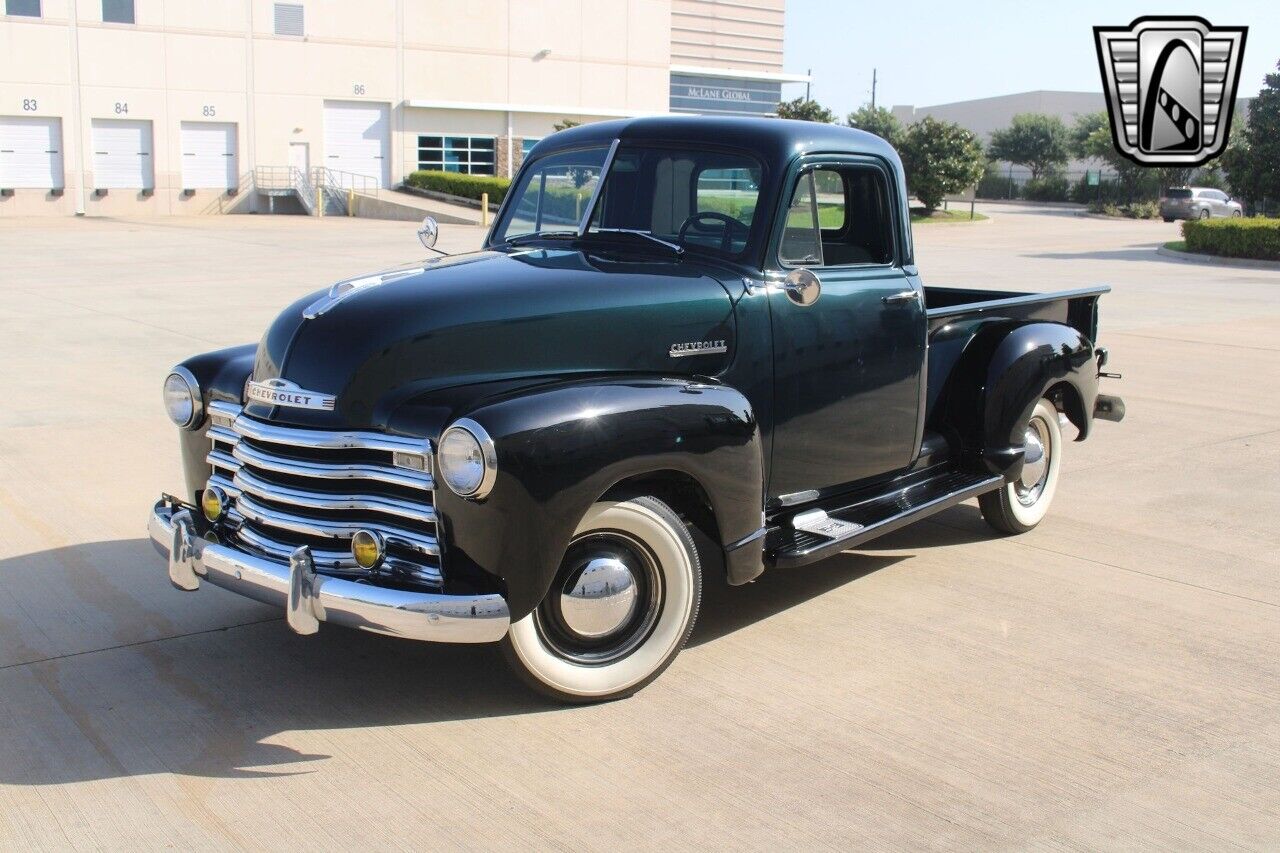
(319, 202)
(351, 202)
(484, 209)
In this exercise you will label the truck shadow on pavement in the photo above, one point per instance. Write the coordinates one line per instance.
(115, 683)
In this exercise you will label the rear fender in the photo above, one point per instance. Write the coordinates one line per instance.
(560, 448)
(1004, 371)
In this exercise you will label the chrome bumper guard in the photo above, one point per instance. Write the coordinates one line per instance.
(309, 598)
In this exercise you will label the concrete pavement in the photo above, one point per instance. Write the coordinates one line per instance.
(1109, 681)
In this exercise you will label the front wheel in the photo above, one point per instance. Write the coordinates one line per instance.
(1019, 506)
(619, 610)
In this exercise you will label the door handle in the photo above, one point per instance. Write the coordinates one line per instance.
(901, 298)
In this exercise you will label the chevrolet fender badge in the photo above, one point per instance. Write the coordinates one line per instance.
(697, 348)
(282, 392)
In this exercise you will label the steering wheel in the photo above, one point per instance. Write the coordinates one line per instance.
(730, 225)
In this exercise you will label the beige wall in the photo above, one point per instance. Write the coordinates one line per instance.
(194, 60)
(744, 35)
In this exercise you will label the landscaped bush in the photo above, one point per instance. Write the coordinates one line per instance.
(1137, 210)
(1048, 188)
(1234, 238)
(996, 185)
(459, 184)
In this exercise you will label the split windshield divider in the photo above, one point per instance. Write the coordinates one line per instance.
(595, 194)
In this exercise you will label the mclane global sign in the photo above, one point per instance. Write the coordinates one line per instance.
(1171, 85)
(700, 93)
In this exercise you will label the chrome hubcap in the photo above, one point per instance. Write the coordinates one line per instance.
(1035, 466)
(604, 602)
(600, 599)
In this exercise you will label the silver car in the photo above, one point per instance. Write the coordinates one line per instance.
(1197, 203)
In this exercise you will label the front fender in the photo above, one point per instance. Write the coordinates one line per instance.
(560, 448)
(221, 375)
(1004, 371)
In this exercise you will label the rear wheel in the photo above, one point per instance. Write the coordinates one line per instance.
(619, 610)
(1204, 214)
(1167, 218)
(1020, 505)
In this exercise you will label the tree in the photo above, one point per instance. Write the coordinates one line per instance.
(879, 121)
(806, 110)
(1036, 141)
(564, 124)
(939, 158)
(1091, 140)
(1252, 159)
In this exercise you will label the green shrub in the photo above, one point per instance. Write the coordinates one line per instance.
(459, 184)
(995, 183)
(1235, 238)
(1137, 210)
(1048, 188)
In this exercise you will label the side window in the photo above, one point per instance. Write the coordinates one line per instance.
(846, 211)
(801, 243)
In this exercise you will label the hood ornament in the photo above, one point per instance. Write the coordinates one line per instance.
(351, 286)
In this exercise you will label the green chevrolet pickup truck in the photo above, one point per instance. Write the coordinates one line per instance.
(689, 351)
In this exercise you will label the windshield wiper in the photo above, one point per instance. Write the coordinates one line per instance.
(675, 247)
(541, 235)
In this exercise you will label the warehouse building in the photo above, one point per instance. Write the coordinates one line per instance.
(127, 107)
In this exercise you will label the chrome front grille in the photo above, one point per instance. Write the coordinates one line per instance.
(292, 486)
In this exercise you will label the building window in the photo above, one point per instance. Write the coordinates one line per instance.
(288, 19)
(470, 154)
(117, 11)
(26, 8)
(526, 145)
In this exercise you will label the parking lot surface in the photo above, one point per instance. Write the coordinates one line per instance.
(1109, 681)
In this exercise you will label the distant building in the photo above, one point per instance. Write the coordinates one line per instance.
(983, 116)
(127, 107)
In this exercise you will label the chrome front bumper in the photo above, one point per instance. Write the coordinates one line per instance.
(309, 598)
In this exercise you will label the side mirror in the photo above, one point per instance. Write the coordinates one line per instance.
(428, 232)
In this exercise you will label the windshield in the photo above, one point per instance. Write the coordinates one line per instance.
(693, 198)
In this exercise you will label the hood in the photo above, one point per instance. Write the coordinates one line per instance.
(491, 317)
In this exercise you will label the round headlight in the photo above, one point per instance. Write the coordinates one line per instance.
(467, 460)
(182, 398)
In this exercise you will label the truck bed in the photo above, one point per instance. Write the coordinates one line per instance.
(1077, 308)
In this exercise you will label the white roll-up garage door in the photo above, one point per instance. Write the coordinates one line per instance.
(357, 139)
(30, 153)
(122, 154)
(208, 155)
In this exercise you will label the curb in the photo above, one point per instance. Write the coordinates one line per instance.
(1019, 202)
(1103, 216)
(1218, 260)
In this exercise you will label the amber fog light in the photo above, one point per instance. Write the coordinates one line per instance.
(213, 503)
(367, 549)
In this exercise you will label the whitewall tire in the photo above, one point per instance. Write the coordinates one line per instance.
(620, 609)
(1020, 505)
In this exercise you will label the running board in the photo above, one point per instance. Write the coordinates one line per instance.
(816, 534)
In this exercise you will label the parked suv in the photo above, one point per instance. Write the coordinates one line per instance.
(1197, 203)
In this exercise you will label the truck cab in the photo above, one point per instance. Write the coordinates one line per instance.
(690, 350)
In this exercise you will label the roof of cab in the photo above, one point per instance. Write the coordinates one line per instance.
(776, 140)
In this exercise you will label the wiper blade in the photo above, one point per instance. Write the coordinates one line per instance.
(541, 235)
(675, 247)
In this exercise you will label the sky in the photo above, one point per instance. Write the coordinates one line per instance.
(929, 52)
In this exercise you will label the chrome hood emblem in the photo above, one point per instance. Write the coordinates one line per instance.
(351, 286)
(282, 392)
